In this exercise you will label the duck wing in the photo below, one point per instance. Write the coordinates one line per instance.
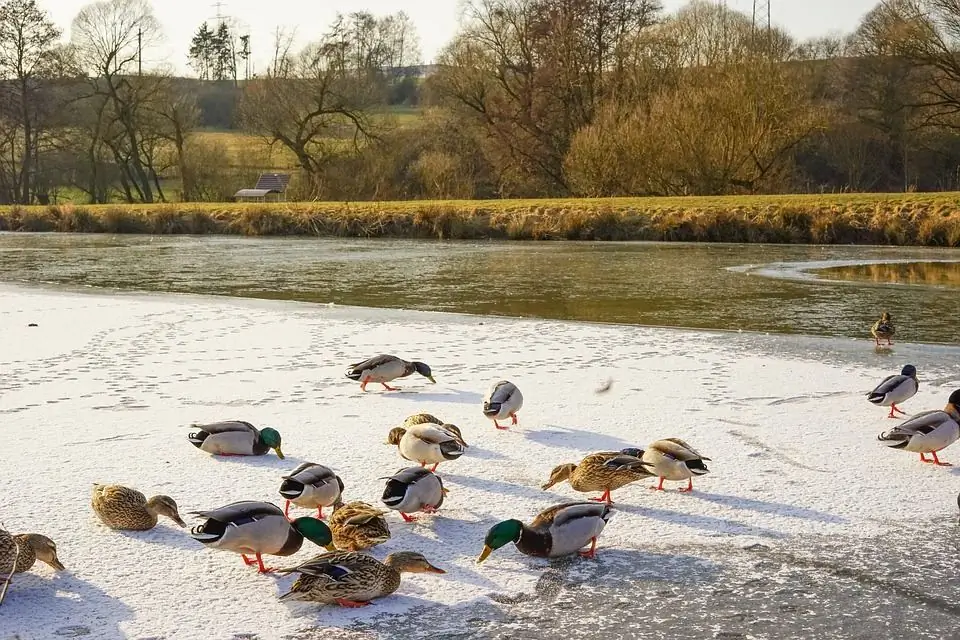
(922, 424)
(310, 473)
(678, 449)
(335, 565)
(439, 435)
(560, 514)
(226, 426)
(242, 512)
(372, 363)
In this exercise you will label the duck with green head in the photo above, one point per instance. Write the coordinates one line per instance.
(235, 438)
(256, 528)
(561, 530)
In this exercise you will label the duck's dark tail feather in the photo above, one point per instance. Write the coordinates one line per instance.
(290, 489)
(876, 398)
(197, 438)
(491, 408)
(451, 450)
(894, 440)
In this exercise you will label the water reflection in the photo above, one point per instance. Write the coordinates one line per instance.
(941, 274)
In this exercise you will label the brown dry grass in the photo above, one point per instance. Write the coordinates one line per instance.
(896, 219)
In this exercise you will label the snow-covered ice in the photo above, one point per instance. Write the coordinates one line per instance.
(105, 388)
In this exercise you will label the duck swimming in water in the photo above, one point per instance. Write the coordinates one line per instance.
(896, 389)
(384, 368)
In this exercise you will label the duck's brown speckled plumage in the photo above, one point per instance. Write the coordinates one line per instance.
(121, 507)
(352, 578)
(32, 547)
(357, 526)
(592, 474)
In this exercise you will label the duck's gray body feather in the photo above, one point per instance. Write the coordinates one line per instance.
(231, 437)
(926, 432)
(503, 399)
(413, 488)
(382, 368)
(894, 390)
(248, 527)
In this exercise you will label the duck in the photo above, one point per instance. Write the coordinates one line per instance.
(896, 389)
(21, 551)
(502, 401)
(561, 530)
(357, 526)
(312, 486)
(127, 509)
(422, 418)
(257, 528)
(669, 459)
(592, 474)
(428, 443)
(927, 432)
(235, 438)
(384, 368)
(352, 579)
(883, 329)
(413, 489)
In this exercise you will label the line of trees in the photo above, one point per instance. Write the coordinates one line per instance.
(531, 98)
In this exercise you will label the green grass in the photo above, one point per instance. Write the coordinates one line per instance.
(897, 219)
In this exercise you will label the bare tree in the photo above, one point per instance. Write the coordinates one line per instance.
(108, 36)
(27, 44)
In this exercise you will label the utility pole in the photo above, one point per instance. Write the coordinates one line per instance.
(762, 23)
(139, 51)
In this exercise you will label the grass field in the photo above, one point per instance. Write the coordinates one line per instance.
(898, 219)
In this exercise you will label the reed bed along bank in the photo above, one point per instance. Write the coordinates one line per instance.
(894, 219)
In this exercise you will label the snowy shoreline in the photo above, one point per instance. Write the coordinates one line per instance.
(104, 390)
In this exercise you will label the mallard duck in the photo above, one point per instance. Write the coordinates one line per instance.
(561, 530)
(384, 368)
(428, 443)
(257, 528)
(357, 526)
(353, 579)
(592, 474)
(895, 389)
(32, 547)
(502, 401)
(670, 459)
(235, 438)
(312, 486)
(413, 489)
(883, 329)
(927, 432)
(124, 508)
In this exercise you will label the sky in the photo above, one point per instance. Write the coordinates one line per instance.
(436, 20)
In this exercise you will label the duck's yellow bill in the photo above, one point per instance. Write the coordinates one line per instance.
(483, 554)
(279, 453)
(329, 547)
(430, 378)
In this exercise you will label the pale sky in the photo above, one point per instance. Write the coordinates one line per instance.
(436, 20)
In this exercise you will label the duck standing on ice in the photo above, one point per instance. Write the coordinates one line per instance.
(883, 329)
(670, 459)
(561, 530)
(927, 432)
(896, 389)
(384, 368)
(428, 443)
(502, 401)
(413, 489)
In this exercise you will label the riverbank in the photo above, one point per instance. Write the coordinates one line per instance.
(870, 219)
(105, 387)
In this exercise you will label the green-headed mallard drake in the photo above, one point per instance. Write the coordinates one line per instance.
(883, 329)
(502, 401)
(252, 527)
(592, 474)
(670, 459)
(428, 443)
(561, 530)
(235, 438)
(32, 547)
(384, 368)
(124, 508)
(413, 489)
(357, 526)
(895, 389)
(353, 579)
(927, 432)
(312, 486)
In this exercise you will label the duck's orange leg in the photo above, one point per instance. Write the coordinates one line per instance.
(659, 487)
(689, 486)
(604, 498)
(350, 604)
(389, 388)
(592, 552)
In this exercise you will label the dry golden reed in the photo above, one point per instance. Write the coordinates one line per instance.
(882, 219)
